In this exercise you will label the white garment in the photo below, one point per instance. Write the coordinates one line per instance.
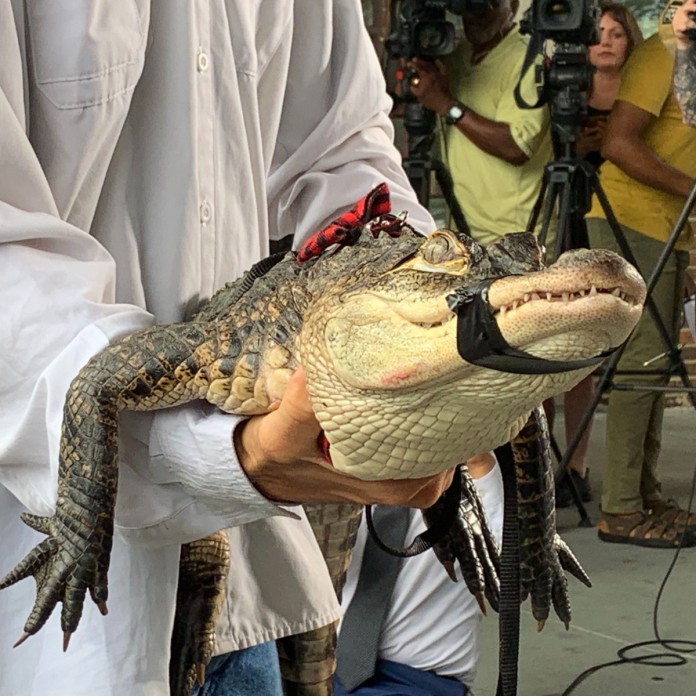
(432, 623)
(149, 150)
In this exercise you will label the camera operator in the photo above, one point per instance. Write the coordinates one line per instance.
(495, 151)
(684, 25)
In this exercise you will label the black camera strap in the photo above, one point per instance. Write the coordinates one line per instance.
(535, 48)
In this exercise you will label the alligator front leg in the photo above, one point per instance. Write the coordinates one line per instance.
(543, 554)
(157, 368)
(471, 543)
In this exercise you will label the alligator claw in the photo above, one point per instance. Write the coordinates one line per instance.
(471, 543)
(569, 562)
(64, 565)
(21, 639)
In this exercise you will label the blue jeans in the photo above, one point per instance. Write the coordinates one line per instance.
(394, 679)
(251, 672)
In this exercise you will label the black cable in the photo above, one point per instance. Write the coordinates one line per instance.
(672, 658)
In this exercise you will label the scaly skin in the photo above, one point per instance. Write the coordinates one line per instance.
(307, 660)
(203, 569)
(371, 326)
(543, 555)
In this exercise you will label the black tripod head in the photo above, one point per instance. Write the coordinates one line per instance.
(567, 79)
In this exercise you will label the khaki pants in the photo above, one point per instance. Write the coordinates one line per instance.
(634, 419)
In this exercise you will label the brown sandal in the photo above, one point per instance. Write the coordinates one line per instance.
(671, 513)
(642, 529)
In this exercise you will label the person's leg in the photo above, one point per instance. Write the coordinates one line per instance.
(624, 435)
(651, 489)
(248, 672)
(632, 416)
(575, 404)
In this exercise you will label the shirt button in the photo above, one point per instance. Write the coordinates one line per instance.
(202, 61)
(206, 211)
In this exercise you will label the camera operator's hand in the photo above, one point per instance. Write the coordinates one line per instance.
(591, 136)
(682, 23)
(280, 455)
(430, 85)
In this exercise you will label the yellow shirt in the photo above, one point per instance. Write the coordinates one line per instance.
(496, 196)
(647, 83)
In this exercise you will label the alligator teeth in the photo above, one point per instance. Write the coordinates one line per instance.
(503, 309)
(581, 293)
(593, 290)
(565, 296)
(549, 296)
(535, 296)
(527, 297)
(616, 292)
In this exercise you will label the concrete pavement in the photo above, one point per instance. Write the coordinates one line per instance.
(618, 610)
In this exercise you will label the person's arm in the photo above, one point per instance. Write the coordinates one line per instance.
(685, 82)
(685, 61)
(624, 146)
(335, 140)
(432, 89)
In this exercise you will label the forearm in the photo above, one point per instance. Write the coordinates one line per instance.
(685, 82)
(637, 160)
(492, 137)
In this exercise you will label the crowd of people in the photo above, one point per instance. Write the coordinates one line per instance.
(148, 156)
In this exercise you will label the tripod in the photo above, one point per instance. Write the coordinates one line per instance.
(571, 182)
(419, 162)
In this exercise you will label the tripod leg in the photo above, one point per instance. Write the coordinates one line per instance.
(446, 184)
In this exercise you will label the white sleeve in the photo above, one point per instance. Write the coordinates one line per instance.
(57, 286)
(336, 140)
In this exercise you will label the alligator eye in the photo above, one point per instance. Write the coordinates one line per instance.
(437, 249)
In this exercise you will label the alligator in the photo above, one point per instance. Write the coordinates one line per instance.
(388, 386)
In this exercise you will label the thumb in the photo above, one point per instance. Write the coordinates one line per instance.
(296, 406)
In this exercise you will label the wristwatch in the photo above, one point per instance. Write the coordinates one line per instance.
(455, 113)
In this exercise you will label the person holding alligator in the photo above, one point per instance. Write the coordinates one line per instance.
(148, 156)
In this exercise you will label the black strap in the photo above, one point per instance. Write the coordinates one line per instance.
(509, 609)
(480, 342)
(535, 48)
(434, 533)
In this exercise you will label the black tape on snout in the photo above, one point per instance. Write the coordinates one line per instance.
(480, 342)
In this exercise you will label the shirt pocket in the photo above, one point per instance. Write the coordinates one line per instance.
(86, 52)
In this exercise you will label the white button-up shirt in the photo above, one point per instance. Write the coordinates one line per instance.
(149, 152)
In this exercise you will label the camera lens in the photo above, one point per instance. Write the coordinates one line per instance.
(557, 12)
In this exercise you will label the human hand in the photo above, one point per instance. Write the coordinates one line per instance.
(682, 23)
(280, 454)
(430, 85)
(590, 139)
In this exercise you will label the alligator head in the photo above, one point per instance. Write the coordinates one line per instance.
(379, 344)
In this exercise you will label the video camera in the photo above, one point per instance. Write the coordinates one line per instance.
(563, 21)
(573, 26)
(422, 30)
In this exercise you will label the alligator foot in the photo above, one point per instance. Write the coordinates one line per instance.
(65, 565)
(565, 561)
(471, 543)
(543, 554)
(203, 569)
